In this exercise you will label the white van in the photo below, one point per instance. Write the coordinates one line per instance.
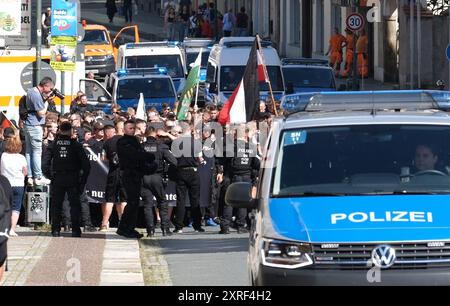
(226, 66)
(153, 55)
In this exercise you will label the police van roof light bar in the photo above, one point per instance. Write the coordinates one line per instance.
(142, 71)
(152, 44)
(367, 100)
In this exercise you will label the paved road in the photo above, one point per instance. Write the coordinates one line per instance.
(205, 259)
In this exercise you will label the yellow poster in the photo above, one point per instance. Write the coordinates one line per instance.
(63, 53)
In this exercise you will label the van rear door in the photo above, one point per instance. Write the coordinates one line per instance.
(126, 35)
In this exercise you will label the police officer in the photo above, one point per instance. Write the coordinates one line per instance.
(134, 163)
(243, 166)
(70, 169)
(153, 184)
(188, 179)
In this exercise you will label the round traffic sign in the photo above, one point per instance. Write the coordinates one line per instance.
(355, 22)
(447, 51)
(27, 75)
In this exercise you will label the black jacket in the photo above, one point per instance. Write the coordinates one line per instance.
(132, 157)
(162, 153)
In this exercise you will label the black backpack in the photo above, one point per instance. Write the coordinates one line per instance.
(23, 111)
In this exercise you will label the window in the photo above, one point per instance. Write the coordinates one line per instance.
(151, 88)
(231, 76)
(374, 159)
(95, 37)
(308, 77)
(171, 62)
(295, 22)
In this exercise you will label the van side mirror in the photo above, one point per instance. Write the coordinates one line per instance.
(290, 88)
(239, 195)
(102, 99)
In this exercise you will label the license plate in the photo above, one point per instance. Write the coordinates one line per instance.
(93, 71)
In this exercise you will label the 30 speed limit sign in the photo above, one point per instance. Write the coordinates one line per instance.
(355, 22)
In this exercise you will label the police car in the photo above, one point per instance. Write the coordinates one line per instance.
(153, 55)
(307, 75)
(354, 190)
(125, 88)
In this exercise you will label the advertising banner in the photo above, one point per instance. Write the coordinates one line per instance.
(64, 18)
(24, 39)
(10, 17)
(63, 54)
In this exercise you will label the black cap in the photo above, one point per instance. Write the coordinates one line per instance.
(65, 126)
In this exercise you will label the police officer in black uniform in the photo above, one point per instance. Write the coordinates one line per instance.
(69, 169)
(153, 184)
(242, 167)
(188, 180)
(134, 163)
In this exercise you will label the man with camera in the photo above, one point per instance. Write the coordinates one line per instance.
(37, 103)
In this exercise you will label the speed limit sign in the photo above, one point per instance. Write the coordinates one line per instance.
(355, 22)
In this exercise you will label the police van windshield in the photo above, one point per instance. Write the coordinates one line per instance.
(95, 37)
(230, 76)
(173, 63)
(308, 77)
(151, 88)
(192, 56)
(368, 159)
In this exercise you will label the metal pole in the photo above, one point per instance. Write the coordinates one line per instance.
(355, 58)
(419, 44)
(411, 43)
(63, 90)
(38, 42)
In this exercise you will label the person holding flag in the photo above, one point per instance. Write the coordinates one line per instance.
(188, 92)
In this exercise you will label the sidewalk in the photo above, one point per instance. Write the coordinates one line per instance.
(97, 259)
(369, 84)
(151, 25)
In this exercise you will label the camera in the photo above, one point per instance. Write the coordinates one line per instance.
(57, 93)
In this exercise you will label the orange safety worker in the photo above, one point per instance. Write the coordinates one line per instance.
(337, 42)
(361, 51)
(348, 54)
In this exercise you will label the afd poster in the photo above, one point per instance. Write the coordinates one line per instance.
(10, 17)
(64, 18)
(63, 55)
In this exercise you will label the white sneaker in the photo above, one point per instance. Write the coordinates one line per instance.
(12, 233)
(42, 181)
(30, 181)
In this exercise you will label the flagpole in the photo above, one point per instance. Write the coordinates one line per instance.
(198, 82)
(268, 79)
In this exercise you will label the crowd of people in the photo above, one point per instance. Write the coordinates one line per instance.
(205, 22)
(196, 159)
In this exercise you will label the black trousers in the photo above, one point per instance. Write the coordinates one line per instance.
(58, 193)
(153, 187)
(188, 180)
(132, 182)
(128, 12)
(85, 210)
(241, 212)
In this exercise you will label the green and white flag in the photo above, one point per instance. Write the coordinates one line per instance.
(189, 89)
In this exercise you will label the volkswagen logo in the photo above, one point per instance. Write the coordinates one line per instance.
(383, 256)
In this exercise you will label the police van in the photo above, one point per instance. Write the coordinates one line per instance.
(153, 55)
(354, 189)
(226, 67)
(125, 88)
(307, 75)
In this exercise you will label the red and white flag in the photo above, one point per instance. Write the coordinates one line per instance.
(243, 104)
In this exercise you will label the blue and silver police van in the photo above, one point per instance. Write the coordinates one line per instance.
(354, 189)
(125, 88)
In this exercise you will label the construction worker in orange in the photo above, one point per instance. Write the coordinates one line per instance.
(361, 51)
(337, 42)
(348, 53)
